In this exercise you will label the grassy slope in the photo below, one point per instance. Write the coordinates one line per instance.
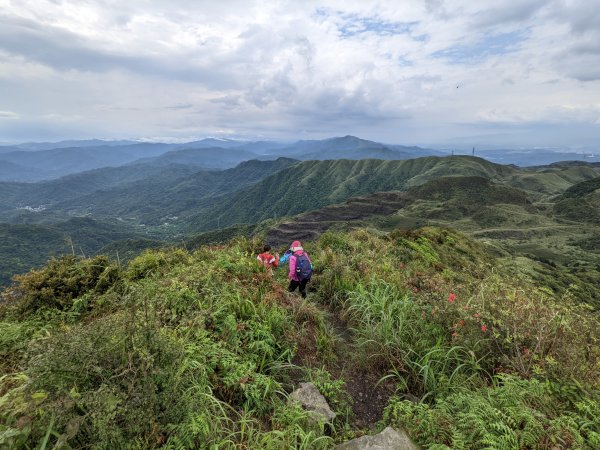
(180, 348)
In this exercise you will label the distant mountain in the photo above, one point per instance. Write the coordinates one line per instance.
(11, 171)
(350, 147)
(36, 146)
(536, 156)
(205, 157)
(63, 161)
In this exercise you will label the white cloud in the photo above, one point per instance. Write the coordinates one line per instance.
(8, 115)
(386, 70)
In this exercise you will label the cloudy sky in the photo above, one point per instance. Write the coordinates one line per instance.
(510, 72)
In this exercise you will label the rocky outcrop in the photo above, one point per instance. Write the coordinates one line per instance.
(309, 397)
(388, 439)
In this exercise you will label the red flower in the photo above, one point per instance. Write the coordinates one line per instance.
(451, 297)
(483, 328)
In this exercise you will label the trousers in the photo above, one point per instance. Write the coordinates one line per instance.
(301, 284)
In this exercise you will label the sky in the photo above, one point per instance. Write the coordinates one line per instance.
(517, 73)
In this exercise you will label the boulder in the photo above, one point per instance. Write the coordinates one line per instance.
(309, 397)
(388, 439)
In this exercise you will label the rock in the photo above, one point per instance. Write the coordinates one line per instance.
(309, 397)
(388, 439)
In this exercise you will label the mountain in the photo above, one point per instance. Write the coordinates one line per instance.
(350, 147)
(314, 184)
(536, 156)
(205, 157)
(55, 163)
(36, 146)
(69, 187)
(10, 171)
(156, 199)
(453, 198)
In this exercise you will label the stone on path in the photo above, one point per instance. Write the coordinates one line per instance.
(309, 397)
(388, 439)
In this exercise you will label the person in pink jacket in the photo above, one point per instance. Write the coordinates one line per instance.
(300, 267)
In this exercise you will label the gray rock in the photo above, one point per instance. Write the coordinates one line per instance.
(388, 439)
(309, 397)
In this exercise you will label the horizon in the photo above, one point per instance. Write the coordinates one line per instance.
(585, 150)
(521, 74)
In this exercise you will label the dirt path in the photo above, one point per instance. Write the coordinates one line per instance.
(367, 394)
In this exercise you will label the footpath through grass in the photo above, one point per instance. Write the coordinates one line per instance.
(423, 330)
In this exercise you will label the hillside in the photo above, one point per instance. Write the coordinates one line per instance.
(70, 187)
(206, 158)
(57, 162)
(580, 202)
(423, 330)
(315, 184)
(350, 147)
(152, 200)
(25, 246)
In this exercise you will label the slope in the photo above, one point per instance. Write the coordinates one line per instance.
(69, 187)
(580, 203)
(314, 184)
(23, 247)
(151, 200)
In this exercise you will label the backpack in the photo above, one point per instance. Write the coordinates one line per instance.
(303, 267)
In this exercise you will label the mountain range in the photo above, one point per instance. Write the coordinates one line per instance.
(203, 191)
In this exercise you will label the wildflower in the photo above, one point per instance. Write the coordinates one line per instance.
(483, 328)
(455, 334)
(477, 315)
(451, 297)
(462, 322)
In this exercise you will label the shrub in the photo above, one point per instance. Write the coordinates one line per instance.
(63, 280)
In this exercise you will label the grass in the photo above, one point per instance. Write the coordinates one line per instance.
(179, 348)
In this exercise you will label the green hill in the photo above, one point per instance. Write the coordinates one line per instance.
(153, 199)
(580, 202)
(315, 184)
(424, 330)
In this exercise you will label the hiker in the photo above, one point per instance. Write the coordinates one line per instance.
(268, 260)
(300, 267)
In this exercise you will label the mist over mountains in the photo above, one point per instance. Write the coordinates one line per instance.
(31, 162)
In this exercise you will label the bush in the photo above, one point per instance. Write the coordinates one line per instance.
(514, 413)
(63, 280)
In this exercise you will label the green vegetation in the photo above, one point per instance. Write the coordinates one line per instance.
(152, 203)
(188, 350)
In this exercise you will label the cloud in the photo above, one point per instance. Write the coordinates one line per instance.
(295, 69)
(8, 115)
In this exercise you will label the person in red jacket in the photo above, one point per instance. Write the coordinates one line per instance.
(300, 267)
(268, 260)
